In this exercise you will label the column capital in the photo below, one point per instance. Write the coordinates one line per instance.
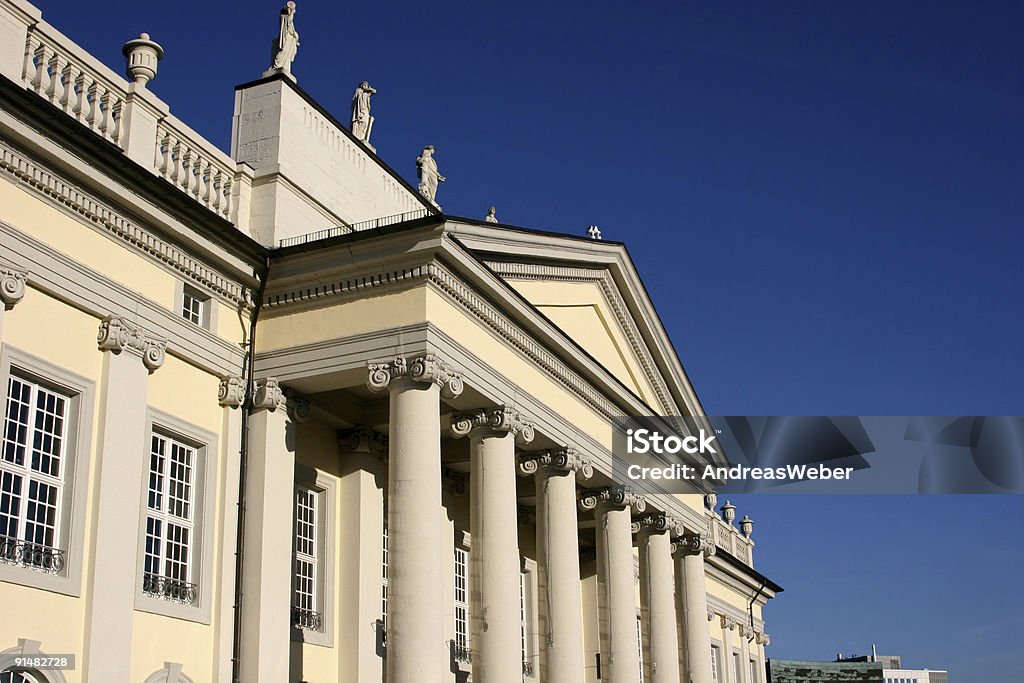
(231, 392)
(497, 419)
(692, 544)
(558, 460)
(297, 406)
(362, 439)
(269, 395)
(455, 483)
(12, 286)
(426, 368)
(657, 523)
(618, 496)
(117, 334)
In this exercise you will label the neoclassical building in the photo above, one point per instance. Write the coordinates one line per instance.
(272, 416)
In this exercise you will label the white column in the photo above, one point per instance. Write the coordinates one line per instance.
(114, 578)
(12, 290)
(417, 652)
(558, 562)
(231, 396)
(693, 606)
(657, 599)
(494, 555)
(266, 559)
(620, 647)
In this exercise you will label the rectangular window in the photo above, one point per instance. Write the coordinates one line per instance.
(526, 623)
(306, 612)
(754, 675)
(461, 646)
(640, 644)
(32, 469)
(194, 306)
(170, 521)
(384, 579)
(715, 663)
(737, 666)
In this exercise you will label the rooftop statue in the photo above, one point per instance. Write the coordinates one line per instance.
(362, 122)
(491, 216)
(429, 177)
(287, 44)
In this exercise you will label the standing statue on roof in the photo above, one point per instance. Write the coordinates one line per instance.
(362, 122)
(429, 176)
(492, 215)
(283, 49)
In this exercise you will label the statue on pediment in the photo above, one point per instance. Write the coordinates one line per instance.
(286, 45)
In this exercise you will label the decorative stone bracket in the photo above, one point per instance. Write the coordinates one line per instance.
(231, 392)
(361, 439)
(12, 286)
(269, 395)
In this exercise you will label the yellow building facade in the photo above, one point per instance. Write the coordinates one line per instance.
(273, 416)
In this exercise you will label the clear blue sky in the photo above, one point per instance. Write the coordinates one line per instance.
(826, 201)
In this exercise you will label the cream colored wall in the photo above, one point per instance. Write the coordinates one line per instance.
(581, 310)
(282, 330)
(157, 639)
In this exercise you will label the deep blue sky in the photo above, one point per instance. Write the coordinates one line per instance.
(826, 201)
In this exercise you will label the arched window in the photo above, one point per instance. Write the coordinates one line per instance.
(20, 677)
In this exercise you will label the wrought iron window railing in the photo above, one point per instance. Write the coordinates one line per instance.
(32, 555)
(170, 589)
(307, 619)
(462, 653)
(528, 668)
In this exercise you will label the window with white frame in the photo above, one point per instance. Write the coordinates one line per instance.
(195, 306)
(306, 613)
(384, 578)
(527, 611)
(32, 475)
(640, 644)
(754, 675)
(737, 666)
(461, 647)
(169, 562)
(716, 661)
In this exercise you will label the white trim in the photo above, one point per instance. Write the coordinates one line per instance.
(326, 489)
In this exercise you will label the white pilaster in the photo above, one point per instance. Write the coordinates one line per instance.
(231, 396)
(417, 652)
(657, 599)
(494, 556)
(129, 356)
(693, 606)
(620, 647)
(267, 562)
(558, 562)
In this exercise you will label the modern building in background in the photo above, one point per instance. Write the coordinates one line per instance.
(893, 670)
(872, 668)
(272, 416)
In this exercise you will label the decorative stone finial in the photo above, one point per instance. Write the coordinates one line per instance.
(499, 419)
(362, 122)
(747, 526)
(594, 232)
(491, 216)
(142, 55)
(284, 47)
(12, 286)
(728, 512)
(711, 500)
(426, 170)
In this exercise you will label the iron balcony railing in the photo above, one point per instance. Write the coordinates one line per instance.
(307, 619)
(32, 555)
(170, 589)
(361, 226)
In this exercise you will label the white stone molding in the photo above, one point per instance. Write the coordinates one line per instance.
(692, 544)
(30, 648)
(12, 286)
(170, 673)
(116, 334)
(231, 392)
(497, 419)
(107, 220)
(269, 395)
(559, 460)
(362, 439)
(426, 368)
(612, 496)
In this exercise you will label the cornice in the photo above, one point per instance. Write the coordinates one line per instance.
(63, 194)
(600, 276)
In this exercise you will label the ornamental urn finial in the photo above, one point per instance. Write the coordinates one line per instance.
(710, 500)
(728, 512)
(142, 55)
(746, 526)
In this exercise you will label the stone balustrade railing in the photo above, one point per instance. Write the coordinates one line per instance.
(728, 538)
(123, 113)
